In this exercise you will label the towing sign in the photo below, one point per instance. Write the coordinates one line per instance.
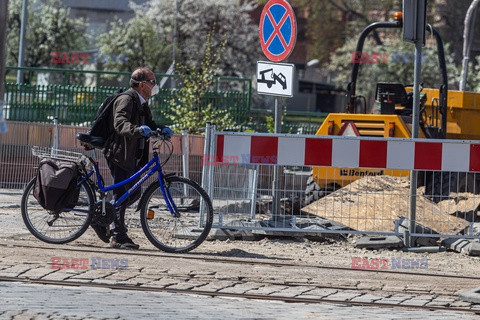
(275, 79)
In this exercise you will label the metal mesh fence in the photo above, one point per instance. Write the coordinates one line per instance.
(321, 200)
(308, 199)
(78, 105)
(243, 199)
(18, 165)
(73, 96)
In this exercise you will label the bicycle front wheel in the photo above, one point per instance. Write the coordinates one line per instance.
(187, 229)
(60, 226)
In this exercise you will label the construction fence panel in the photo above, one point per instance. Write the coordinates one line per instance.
(238, 172)
(360, 185)
(18, 165)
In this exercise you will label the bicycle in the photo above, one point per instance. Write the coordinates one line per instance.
(176, 213)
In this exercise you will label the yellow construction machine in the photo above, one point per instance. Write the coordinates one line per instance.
(444, 114)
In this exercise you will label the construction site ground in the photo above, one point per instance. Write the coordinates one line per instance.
(275, 268)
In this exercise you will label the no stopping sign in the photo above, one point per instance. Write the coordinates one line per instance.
(277, 30)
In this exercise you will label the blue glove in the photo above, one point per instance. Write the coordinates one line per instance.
(167, 132)
(145, 131)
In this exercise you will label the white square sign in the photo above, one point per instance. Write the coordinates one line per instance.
(275, 78)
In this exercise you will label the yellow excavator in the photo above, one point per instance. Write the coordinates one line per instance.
(444, 114)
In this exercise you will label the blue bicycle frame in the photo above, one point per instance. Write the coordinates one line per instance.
(153, 165)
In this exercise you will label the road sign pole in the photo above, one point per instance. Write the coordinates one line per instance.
(414, 21)
(277, 33)
(409, 241)
(276, 193)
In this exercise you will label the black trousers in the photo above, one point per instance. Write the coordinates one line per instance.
(118, 227)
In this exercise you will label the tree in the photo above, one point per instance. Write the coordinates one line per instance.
(187, 109)
(138, 42)
(450, 21)
(49, 28)
(330, 23)
(231, 49)
(397, 67)
(231, 21)
(473, 80)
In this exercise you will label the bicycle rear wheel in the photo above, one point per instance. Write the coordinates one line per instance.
(184, 232)
(57, 227)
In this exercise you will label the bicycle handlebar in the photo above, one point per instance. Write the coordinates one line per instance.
(159, 135)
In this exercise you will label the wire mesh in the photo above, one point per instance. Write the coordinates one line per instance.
(59, 154)
(348, 200)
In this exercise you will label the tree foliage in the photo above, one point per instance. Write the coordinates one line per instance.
(450, 16)
(49, 29)
(399, 65)
(473, 80)
(230, 20)
(330, 23)
(139, 41)
(187, 108)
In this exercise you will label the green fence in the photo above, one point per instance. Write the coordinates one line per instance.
(73, 96)
(77, 104)
(292, 122)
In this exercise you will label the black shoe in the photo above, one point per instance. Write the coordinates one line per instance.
(123, 243)
(102, 233)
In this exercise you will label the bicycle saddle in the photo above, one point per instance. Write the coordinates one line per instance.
(97, 142)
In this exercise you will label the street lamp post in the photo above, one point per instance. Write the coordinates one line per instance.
(21, 48)
(174, 47)
(3, 54)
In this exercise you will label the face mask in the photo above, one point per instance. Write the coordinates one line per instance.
(155, 90)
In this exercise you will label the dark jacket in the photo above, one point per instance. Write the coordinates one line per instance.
(129, 149)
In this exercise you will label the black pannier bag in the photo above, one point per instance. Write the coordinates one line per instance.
(56, 184)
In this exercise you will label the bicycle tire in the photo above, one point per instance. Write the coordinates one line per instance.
(61, 229)
(177, 234)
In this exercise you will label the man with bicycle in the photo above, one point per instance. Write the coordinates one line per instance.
(128, 148)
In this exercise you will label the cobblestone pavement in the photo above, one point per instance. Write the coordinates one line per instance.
(21, 255)
(39, 302)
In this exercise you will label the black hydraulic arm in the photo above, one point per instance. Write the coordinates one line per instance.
(351, 88)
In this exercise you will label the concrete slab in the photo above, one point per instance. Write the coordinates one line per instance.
(379, 242)
(455, 244)
(419, 241)
(472, 295)
(474, 248)
(235, 234)
(466, 246)
(221, 234)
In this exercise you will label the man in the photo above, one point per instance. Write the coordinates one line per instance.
(128, 150)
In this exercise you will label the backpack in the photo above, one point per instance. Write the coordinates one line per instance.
(102, 126)
(56, 186)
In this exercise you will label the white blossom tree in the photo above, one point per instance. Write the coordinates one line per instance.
(49, 28)
(229, 20)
